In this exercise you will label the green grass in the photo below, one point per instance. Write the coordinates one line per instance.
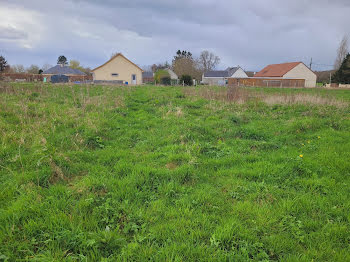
(152, 173)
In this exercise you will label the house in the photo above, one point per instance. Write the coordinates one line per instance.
(220, 77)
(119, 70)
(172, 74)
(147, 77)
(292, 71)
(174, 79)
(63, 72)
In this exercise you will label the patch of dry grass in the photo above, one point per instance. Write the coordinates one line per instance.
(304, 99)
(241, 95)
(171, 110)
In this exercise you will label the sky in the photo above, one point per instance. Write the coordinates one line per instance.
(250, 33)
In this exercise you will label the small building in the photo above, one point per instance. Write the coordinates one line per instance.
(119, 70)
(63, 70)
(147, 77)
(172, 74)
(220, 78)
(174, 79)
(289, 71)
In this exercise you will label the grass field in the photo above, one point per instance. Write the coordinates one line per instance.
(173, 174)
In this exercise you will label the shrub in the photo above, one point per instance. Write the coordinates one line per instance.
(187, 80)
(160, 74)
(165, 80)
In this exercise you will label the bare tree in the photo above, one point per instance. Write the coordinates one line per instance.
(342, 52)
(46, 67)
(154, 68)
(208, 61)
(186, 66)
(75, 64)
(33, 69)
(18, 69)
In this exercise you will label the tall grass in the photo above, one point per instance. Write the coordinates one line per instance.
(242, 95)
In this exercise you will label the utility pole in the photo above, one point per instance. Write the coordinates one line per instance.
(311, 64)
(330, 78)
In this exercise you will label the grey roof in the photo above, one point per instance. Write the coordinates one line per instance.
(62, 70)
(223, 73)
(216, 74)
(147, 74)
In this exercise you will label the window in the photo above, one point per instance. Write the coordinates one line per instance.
(115, 74)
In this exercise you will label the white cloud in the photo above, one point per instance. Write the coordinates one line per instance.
(20, 26)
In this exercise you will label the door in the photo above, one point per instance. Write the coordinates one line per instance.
(133, 78)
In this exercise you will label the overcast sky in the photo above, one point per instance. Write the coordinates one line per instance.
(247, 33)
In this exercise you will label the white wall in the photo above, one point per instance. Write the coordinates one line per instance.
(301, 71)
(214, 81)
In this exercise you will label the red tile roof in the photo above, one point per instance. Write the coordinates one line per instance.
(276, 70)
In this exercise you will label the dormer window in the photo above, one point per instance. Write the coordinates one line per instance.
(115, 74)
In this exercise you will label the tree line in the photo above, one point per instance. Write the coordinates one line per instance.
(5, 67)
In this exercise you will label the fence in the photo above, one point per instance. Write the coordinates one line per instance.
(335, 85)
(266, 82)
(22, 77)
(19, 77)
(80, 78)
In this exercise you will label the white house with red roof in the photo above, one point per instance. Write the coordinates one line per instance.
(294, 70)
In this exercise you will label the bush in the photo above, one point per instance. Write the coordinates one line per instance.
(187, 80)
(165, 80)
(160, 74)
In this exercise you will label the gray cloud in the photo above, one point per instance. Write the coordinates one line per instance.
(248, 33)
(11, 33)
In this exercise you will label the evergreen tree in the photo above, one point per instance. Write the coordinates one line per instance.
(3, 64)
(62, 60)
(342, 76)
(182, 54)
